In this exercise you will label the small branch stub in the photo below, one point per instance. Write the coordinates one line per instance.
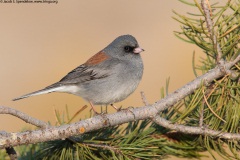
(82, 130)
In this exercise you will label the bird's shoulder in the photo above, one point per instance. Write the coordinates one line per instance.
(91, 70)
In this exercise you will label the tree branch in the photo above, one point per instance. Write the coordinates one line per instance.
(104, 146)
(144, 99)
(208, 18)
(103, 121)
(23, 116)
(195, 130)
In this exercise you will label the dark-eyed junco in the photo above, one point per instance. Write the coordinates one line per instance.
(109, 76)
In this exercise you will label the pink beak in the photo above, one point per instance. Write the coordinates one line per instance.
(138, 50)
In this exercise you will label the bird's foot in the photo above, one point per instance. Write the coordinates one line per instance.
(116, 108)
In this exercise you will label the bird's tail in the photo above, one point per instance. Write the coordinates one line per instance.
(49, 89)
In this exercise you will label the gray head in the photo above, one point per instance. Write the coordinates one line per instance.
(124, 47)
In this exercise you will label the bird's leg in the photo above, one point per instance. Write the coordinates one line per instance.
(92, 106)
(118, 109)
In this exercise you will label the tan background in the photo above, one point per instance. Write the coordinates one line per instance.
(40, 43)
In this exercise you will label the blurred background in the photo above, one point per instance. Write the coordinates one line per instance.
(41, 43)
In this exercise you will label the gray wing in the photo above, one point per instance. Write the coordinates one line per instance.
(84, 73)
(81, 74)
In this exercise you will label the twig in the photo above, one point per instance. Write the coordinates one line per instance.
(195, 130)
(201, 114)
(206, 95)
(144, 99)
(23, 116)
(114, 149)
(208, 14)
(114, 119)
(236, 60)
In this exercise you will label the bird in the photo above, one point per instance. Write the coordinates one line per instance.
(109, 76)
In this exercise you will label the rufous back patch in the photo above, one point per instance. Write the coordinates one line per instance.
(97, 58)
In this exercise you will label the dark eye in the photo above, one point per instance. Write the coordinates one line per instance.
(128, 49)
